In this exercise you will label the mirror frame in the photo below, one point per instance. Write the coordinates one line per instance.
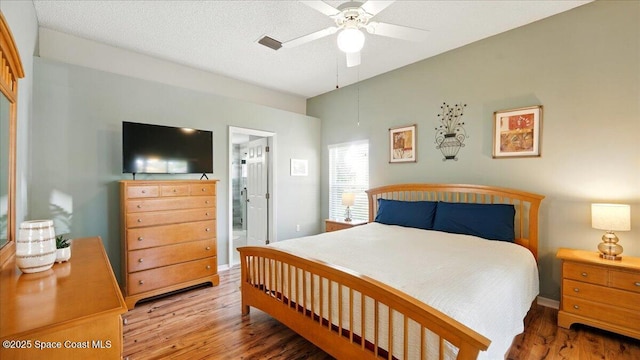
(10, 71)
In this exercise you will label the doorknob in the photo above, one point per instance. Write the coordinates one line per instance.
(248, 200)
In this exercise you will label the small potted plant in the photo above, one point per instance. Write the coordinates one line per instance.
(63, 249)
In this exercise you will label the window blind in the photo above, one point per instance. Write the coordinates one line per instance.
(349, 172)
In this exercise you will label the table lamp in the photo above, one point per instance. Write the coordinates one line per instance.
(348, 199)
(610, 217)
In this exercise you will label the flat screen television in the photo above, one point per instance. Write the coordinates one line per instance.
(158, 149)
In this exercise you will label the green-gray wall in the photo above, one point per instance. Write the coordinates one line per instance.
(76, 141)
(583, 66)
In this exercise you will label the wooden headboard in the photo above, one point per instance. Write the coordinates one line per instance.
(526, 204)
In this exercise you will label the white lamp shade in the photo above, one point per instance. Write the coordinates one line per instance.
(611, 217)
(350, 40)
(348, 199)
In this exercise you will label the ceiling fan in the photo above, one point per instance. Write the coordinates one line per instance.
(351, 18)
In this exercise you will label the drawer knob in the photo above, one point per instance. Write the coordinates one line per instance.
(139, 220)
(139, 206)
(576, 289)
(576, 307)
(208, 267)
(144, 191)
(140, 238)
(208, 247)
(141, 282)
(207, 230)
(174, 190)
(140, 260)
(206, 201)
(206, 214)
(584, 274)
(637, 283)
(203, 189)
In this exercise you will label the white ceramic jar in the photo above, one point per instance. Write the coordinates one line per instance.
(36, 246)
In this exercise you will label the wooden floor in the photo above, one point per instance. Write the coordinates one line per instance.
(205, 323)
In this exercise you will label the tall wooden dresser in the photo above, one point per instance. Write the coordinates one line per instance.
(168, 236)
(600, 293)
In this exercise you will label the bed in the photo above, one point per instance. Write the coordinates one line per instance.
(397, 291)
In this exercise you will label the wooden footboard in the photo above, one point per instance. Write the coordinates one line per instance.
(347, 314)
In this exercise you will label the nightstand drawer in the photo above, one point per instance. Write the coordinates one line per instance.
(597, 293)
(335, 224)
(586, 273)
(602, 312)
(626, 280)
(331, 226)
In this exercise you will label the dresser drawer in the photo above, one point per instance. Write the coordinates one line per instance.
(586, 273)
(148, 280)
(203, 189)
(169, 217)
(179, 203)
(597, 293)
(174, 190)
(141, 238)
(168, 255)
(610, 314)
(625, 280)
(142, 191)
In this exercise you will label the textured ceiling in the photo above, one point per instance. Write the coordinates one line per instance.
(221, 36)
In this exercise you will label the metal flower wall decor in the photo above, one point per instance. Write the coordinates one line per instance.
(450, 135)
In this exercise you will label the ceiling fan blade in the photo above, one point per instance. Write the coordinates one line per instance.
(374, 7)
(310, 37)
(397, 31)
(322, 6)
(353, 59)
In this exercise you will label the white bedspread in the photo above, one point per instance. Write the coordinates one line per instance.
(487, 285)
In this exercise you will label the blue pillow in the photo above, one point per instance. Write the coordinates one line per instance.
(489, 221)
(416, 214)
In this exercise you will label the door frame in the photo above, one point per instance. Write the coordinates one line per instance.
(271, 178)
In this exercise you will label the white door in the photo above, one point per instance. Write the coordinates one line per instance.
(257, 188)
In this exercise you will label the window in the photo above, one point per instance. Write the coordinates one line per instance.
(349, 172)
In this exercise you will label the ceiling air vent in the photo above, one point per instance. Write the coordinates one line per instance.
(270, 43)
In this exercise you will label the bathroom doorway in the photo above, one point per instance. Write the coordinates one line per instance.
(251, 193)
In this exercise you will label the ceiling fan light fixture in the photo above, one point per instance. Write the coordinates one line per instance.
(350, 40)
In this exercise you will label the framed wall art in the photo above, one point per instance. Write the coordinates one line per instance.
(402, 144)
(516, 132)
(299, 167)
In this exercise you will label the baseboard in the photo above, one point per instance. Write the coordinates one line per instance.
(223, 267)
(554, 304)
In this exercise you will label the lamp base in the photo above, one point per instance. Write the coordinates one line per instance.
(347, 214)
(611, 257)
(609, 247)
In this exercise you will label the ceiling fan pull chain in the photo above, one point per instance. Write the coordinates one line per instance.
(358, 82)
(337, 87)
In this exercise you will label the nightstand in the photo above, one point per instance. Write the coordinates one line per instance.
(600, 293)
(339, 224)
